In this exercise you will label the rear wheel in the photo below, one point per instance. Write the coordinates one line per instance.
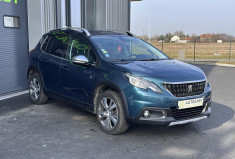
(36, 91)
(110, 113)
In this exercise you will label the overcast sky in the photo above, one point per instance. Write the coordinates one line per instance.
(194, 16)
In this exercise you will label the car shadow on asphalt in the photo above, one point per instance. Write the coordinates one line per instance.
(219, 116)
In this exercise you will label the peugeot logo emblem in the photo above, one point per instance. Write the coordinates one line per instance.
(190, 88)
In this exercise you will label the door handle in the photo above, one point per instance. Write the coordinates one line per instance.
(65, 68)
(43, 60)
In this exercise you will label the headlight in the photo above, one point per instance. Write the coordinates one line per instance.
(142, 83)
(207, 82)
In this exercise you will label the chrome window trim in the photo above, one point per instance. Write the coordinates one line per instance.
(185, 82)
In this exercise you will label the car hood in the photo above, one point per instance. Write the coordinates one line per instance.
(167, 70)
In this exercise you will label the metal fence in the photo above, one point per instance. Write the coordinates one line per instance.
(199, 50)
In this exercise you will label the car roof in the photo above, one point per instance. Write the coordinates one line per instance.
(88, 33)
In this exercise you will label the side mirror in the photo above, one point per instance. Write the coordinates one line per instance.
(80, 59)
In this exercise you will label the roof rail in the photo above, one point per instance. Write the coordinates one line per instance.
(81, 29)
(121, 31)
(130, 34)
(86, 32)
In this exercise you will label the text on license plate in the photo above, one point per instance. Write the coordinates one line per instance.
(190, 103)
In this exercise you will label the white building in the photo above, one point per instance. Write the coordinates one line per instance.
(175, 39)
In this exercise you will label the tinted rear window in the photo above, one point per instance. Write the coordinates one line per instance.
(56, 45)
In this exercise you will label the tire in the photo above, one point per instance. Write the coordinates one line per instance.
(36, 91)
(111, 115)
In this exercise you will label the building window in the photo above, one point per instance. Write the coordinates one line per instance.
(89, 14)
(11, 21)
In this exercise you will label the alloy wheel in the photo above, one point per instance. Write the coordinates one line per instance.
(108, 113)
(34, 89)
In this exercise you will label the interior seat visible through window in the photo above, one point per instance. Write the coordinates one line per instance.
(79, 46)
(57, 46)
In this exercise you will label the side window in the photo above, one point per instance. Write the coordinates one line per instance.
(57, 46)
(45, 43)
(80, 46)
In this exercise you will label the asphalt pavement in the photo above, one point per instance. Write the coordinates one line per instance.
(60, 131)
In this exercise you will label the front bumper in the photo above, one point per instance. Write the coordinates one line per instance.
(166, 117)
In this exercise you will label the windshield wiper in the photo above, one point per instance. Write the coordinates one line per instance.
(123, 60)
(120, 60)
(148, 59)
(137, 60)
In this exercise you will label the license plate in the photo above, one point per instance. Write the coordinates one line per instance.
(190, 103)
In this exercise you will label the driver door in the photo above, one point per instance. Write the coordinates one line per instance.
(77, 80)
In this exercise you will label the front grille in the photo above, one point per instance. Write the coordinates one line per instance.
(180, 114)
(186, 89)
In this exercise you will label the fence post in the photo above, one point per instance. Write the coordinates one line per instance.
(162, 43)
(230, 47)
(194, 49)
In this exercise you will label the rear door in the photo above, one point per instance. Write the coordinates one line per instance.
(54, 50)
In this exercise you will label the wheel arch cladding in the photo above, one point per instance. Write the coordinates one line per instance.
(103, 86)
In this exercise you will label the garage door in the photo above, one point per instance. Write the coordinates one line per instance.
(13, 46)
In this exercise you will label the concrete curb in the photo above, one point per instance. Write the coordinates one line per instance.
(213, 64)
(13, 95)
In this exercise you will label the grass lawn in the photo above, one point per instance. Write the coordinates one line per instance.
(212, 51)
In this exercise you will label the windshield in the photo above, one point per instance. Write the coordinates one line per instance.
(126, 48)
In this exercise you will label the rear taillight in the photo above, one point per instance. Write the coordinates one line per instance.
(32, 51)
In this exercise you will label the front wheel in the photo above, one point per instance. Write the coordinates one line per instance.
(110, 113)
(36, 91)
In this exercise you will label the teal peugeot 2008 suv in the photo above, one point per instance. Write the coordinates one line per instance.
(120, 78)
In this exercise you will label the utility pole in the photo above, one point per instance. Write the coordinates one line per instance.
(195, 49)
(143, 35)
(149, 27)
(178, 30)
(230, 47)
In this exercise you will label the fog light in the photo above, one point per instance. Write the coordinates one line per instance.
(207, 106)
(146, 113)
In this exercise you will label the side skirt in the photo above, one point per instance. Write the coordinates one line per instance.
(81, 105)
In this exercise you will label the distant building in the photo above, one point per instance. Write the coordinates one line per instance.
(219, 41)
(206, 37)
(185, 39)
(175, 39)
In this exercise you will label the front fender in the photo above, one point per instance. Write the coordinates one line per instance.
(102, 85)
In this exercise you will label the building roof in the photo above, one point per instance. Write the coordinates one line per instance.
(186, 38)
(206, 35)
